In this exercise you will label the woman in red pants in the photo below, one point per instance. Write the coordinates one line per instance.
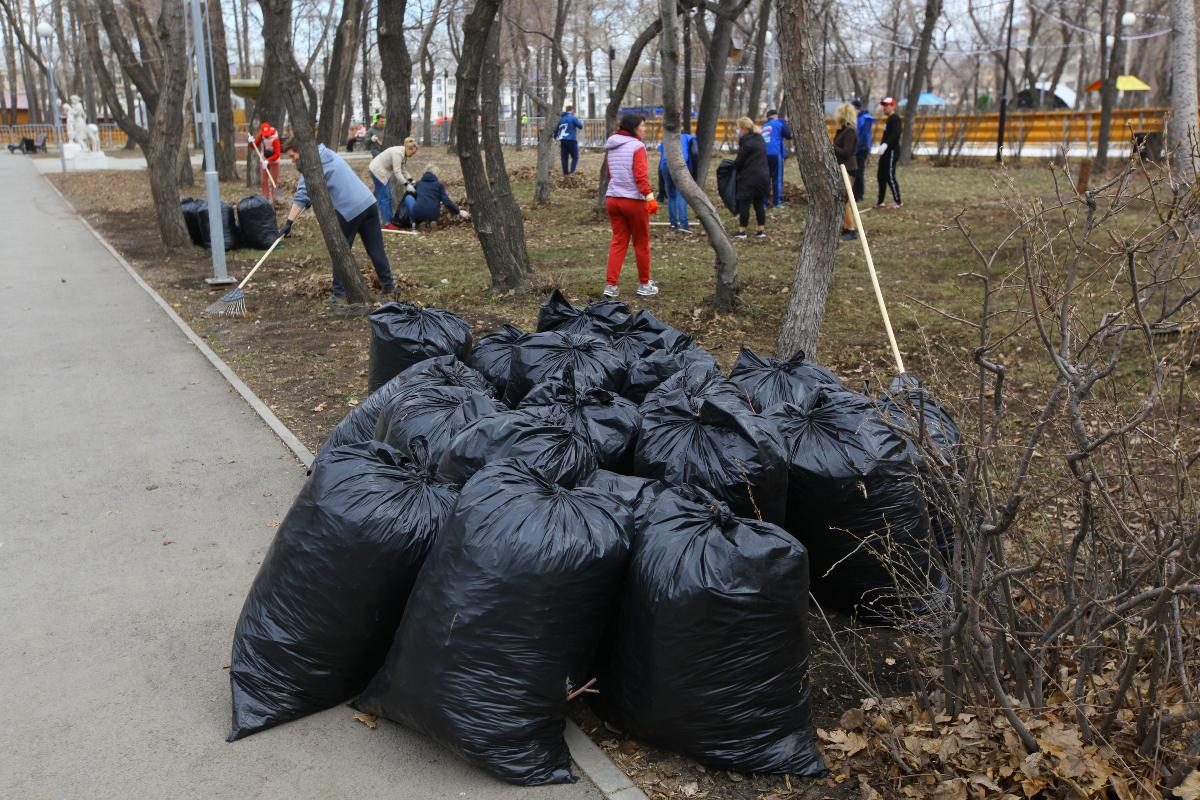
(628, 201)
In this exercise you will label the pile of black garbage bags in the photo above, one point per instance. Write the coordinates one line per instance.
(253, 225)
(504, 523)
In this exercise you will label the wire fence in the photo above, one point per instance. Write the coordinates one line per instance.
(111, 136)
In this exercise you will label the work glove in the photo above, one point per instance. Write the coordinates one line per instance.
(410, 188)
(286, 230)
(652, 206)
(464, 214)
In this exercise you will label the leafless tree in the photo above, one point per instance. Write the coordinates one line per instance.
(395, 67)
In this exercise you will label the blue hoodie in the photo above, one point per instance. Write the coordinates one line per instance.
(568, 123)
(865, 123)
(685, 141)
(350, 195)
(774, 132)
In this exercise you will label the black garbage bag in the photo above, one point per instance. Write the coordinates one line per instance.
(733, 453)
(636, 493)
(228, 225)
(256, 222)
(191, 219)
(912, 408)
(601, 318)
(326, 602)
(855, 501)
(771, 381)
(652, 332)
(648, 372)
(727, 184)
(359, 424)
(435, 413)
(403, 334)
(608, 421)
(504, 620)
(544, 441)
(542, 357)
(698, 381)
(492, 356)
(711, 652)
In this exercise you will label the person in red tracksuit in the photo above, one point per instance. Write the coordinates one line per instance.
(630, 202)
(268, 144)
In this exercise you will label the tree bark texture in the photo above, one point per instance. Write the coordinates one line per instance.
(1108, 92)
(1181, 127)
(395, 67)
(725, 262)
(800, 53)
(269, 107)
(226, 159)
(340, 73)
(277, 44)
(714, 83)
(548, 109)
(760, 59)
(933, 10)
(496, 216)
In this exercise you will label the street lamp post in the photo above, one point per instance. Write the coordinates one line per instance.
(612, 56)
(212, 184)
(46, 31)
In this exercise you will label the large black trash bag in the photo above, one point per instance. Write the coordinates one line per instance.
(912, 408)
(359, 424)
(608, 421)
(326, 602)
(651, 332)
(648, 372)
(545, 441)
(256, 222)
(191, 219)
(542, 357)
(403, 334)
(727, 184)
(492, 356)
(636, 493)
(711, 648)
(435, 413)
(771, 381)
(228, 225)
(698, 382)
(733, 453)
(602, 318)
(504, 620)
(855, 501)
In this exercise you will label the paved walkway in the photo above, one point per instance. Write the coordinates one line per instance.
(138, 494)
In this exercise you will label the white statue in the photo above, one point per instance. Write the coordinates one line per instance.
(93, 137)
(77, 122)
(70, 118)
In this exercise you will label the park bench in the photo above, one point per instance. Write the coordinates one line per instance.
(27, 145)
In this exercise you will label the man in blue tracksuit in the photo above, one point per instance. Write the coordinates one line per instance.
(568, 145)
(676, 205)
(775, 132)
(863, 150)
(356, 210)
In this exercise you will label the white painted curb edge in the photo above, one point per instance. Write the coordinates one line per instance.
(592, 761)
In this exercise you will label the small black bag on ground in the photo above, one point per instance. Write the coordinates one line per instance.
(435, 413)
(733, 453)
(771, 381)
(191, 219)
(326, 602)
(228, 225)
(546, 442)
(855, 502)
(492, 356)
(602, 318)
(648, 372)
(711, 650)
(256, 222)
(542, 357)
(727, 184)
(403, 334)
(504, 620)
(608, 421)
(698, 382)
(359, 424)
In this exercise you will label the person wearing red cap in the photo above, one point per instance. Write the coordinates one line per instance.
(886, 173)
(268, 145)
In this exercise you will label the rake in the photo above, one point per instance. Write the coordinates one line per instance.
(233, 302)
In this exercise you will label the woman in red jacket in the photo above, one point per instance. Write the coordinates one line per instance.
(628, 199)
(268, 144)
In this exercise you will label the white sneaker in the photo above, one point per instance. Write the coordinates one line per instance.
(612, 291)
(648, 289)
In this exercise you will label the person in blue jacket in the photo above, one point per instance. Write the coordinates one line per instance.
(677, 207)
(775, 133)
(865, 123)
(357, 212)
(425, 203)
(568, 145)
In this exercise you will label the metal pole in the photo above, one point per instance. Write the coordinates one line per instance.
(212, 185)
(1004, 88)
(62, 156)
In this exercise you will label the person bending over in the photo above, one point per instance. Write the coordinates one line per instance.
(425, 203)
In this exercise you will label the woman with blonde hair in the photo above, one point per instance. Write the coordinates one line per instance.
(845, 142)
(391, 164)
(753, 177)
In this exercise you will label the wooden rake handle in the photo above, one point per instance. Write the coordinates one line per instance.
(862, 237)
(270, 250)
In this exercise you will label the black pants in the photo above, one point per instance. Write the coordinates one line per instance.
(760, 210)
(858, 174)
(569, 151)
(366, 227)
(887, 175)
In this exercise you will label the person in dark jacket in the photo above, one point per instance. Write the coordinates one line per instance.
(425, 203)
(886, 173)
(568, 144)
(753, 177)
(845, 142)
(864, 126)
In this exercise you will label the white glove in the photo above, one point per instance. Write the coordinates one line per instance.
(649, 196)
(410, 188)
(464, 214)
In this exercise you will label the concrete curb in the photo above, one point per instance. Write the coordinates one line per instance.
(591, 760)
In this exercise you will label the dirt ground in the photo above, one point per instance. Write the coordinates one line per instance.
(308, 361)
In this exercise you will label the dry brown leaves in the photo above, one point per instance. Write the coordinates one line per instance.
(318, 284)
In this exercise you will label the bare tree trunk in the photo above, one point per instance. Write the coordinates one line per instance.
(245, 66)
(226, 158)
(277, 43)
(1108, 92)
(364, 46)
(798, 34)
(10, 57)
(686, 101)
(760, 58)
(1181, 127)
(395, 67)
(714, 82)
(497, 218)
(339, 73)
(427, 88)
(618, 96)
(725, 262)
(166, 127)
(269, 107)
(933, 10)
(558, 92)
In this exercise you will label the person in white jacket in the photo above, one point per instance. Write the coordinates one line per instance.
(391, 164)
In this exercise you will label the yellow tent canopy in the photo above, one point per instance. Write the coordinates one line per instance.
(1125, 83)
